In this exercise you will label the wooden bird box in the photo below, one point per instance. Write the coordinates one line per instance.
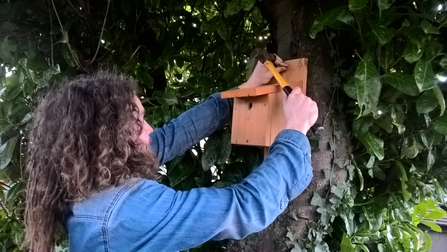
(258, 114)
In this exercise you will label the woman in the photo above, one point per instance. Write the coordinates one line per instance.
(92, 172)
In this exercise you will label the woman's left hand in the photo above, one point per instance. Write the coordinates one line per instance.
(261, 75)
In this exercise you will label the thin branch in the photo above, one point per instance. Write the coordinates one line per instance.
(57, 16)
(102, 31)
(391, 67)
(51, 34)
(131, 57)
(360, 30)
(74, 8)
(65, 35)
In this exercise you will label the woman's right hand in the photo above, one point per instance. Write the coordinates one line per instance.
(301, 111)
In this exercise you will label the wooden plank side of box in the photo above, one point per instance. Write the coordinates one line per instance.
(249, 126)
(295, 74)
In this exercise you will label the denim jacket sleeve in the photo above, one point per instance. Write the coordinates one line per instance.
(174, 138)
(162, 219)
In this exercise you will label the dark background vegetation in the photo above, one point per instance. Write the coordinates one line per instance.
(376, 70)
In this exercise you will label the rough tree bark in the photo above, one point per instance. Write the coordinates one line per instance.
(290, 22)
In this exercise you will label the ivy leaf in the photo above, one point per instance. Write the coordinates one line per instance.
(403, 82)
(6, 48)
(398, 117)
(329, 175)
(401, 172)
(350, 89)
(335, 18)
(440, 125)
(361, 125)
(414, 235)
(426, 102)
(212, 25)
(5, 125)
(428, 28)
(384, 4)
(346, 244)
(29, 88)
(443, 62)
(361, 179)
(347, 217)
(411, 147)
(6, 152)
(419, 212)
(433, 226)
(362, 247)
(224, 32)
(385, 123)
(12, 92)
(25, 119)
(388, 16)
(166, 98)
(233, 7)
(387, 58)
(317, 200)
(403, 178)
(400, 208)
(338, 190)
(434, 49)
(378, 173)
(440, 97)
(405, 193)
(428, 138)
(370, 163)
(322, 247)
(435, 214)
(355, 5)
(427, 242)
(373, 143)
(374, 217)
(297, 249)
(382, 32)
(424, 75)
(367, 83)
(247, 4)
(412, 52)
(415, 34)
(15, 191)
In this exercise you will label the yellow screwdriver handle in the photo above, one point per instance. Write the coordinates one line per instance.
(276, 74)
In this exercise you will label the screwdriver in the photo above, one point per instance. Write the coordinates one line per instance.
(263, 57)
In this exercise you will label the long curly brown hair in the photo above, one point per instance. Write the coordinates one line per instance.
(83, 140)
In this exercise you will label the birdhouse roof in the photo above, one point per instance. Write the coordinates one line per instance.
(252, 92)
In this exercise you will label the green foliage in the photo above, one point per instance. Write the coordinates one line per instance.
(179, 51)
(396, 167)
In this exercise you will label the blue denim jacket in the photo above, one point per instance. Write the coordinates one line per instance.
(143, 215)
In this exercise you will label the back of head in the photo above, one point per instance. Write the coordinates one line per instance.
(83, 140)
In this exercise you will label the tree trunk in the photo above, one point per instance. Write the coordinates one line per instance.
(290, 22)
